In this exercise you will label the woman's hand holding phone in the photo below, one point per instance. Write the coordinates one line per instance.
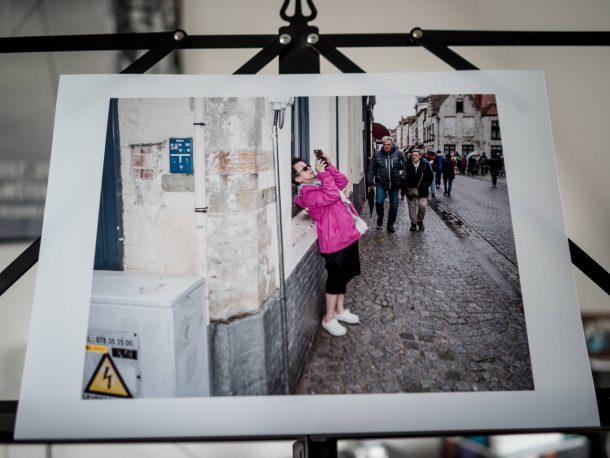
(321, 156)
(320, 165)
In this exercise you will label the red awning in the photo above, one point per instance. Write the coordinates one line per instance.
(379, 131)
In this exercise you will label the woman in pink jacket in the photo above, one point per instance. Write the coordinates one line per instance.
(319, 193)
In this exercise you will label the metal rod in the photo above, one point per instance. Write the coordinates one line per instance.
(15, 270)
(263, 57)
(153, 56)
(474, 38)
(440, 50)
(517, 38)
(281, 265)
(333, 55)
(589, 267)
(110, 42)
(127, 41)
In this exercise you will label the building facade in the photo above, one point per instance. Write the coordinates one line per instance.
(459, 123)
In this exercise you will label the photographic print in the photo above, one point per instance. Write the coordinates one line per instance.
(359, 244)
(186, 297)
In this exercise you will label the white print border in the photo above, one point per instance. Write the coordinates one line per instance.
(563, 397)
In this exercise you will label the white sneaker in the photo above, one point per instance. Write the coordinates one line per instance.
(348, 317)
(334, 328)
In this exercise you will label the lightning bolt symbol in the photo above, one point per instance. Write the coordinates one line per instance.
(107, 376)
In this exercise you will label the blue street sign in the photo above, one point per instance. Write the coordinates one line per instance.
(181, 155)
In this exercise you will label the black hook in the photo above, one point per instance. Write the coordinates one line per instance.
(298, 12)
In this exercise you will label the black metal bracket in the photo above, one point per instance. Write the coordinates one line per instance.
(440, 50)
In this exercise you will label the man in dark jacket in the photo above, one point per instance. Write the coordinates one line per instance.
(385, 172)
(439, 161)
(419, 177)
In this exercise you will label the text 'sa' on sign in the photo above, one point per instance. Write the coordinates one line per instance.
(181, 155)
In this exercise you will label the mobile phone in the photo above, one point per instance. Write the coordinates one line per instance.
(319, 154)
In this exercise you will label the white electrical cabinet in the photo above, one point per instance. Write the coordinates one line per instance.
(147, 337)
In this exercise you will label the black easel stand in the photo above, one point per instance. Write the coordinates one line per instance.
(310, 447)
(299, 47)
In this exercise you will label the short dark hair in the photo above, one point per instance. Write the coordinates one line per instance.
(294, 160)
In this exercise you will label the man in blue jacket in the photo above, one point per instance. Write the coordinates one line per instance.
(385, 172)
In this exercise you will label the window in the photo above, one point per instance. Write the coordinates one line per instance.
(450, 126)
(459, 106)
(300, 128)
(496, 151)
(429, 133)
(467, 149)
(468, 126)
(300, 138)
(448, 149)
(495, 130)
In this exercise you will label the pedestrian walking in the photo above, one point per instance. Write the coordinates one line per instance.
(406, 153)
(432, 160)
(462, 165)
(339, 228)
(418, 175)
(494, 167)
(483, 164)
(472, 164)
(386, 172)
(440, 161)
(448, 174)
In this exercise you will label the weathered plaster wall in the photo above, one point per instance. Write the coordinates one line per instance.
(158, 224)
(242, 236)
(159, 217)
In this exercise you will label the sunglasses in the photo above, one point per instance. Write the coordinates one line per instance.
(304, 169)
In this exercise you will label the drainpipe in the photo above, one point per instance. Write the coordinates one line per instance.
(201, 208)
(279, 108)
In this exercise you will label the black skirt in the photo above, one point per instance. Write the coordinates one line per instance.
(342, 266)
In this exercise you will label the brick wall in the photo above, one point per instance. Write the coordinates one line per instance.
(305, 304)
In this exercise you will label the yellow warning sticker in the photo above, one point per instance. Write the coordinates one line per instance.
(107, 380)
(97, 348)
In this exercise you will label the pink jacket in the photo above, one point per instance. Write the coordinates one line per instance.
(335, 224)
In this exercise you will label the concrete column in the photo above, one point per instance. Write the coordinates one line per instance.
(242, 245)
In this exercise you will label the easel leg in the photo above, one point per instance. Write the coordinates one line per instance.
(309, 447)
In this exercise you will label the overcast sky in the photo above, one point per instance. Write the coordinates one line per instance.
(389, 109)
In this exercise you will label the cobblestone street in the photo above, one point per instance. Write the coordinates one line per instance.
(440, 309)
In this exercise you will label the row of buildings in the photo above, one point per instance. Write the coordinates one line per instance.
(460, 123)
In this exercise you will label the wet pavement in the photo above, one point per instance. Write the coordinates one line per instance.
(440, 309)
